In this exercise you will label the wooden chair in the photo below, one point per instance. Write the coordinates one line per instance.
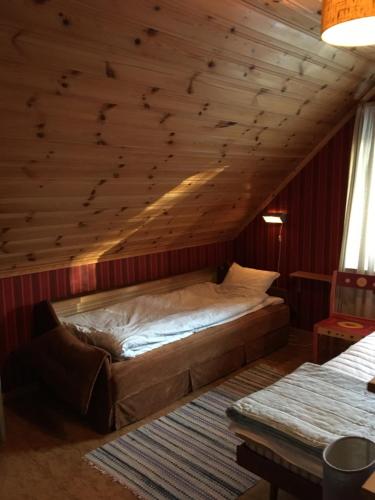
(352, 309)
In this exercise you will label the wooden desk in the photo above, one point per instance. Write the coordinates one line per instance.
(301, 276)
(311, 276)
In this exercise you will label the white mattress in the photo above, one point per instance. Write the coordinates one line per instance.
(358, 361)
(139, 325)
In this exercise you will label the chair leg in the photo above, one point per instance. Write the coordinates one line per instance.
(273, 491)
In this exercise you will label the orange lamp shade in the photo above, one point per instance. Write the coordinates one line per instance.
(348, 23)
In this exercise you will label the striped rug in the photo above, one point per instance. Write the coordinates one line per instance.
(189, 453)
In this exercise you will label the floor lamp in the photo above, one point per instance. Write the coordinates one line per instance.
(277, 218)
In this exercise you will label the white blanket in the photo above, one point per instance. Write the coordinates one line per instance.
(138, 325)
(311, 407)
(357, 361)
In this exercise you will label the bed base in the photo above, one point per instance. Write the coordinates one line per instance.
(278, 476)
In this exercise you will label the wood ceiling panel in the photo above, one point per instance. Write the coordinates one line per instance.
(140, 126)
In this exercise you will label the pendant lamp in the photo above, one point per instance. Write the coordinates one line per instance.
(348, 23)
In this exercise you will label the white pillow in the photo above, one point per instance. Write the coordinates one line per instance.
(254, 280)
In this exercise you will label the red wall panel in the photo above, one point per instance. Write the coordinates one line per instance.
(315, 202)
(20, 293)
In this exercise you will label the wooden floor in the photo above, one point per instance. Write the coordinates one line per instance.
(42, 456)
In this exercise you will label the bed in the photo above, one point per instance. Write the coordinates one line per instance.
(285, 447)
(115, 384)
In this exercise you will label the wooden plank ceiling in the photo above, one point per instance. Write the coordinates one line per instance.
(132, 127)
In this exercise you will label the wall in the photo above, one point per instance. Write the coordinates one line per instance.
(315, 202)
(19, 294)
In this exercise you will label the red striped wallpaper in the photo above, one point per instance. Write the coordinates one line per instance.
(19, 294)
(315, 202)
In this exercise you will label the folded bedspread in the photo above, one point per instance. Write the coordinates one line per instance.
(310, 408)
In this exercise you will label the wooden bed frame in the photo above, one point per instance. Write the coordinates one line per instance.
(123, 394)
(278, 476)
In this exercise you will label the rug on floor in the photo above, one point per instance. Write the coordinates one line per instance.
(189, 453)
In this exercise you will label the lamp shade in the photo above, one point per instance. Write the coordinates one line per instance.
(348, 23)
(274, 218)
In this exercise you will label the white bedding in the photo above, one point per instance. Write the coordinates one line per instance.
(359, 362)
(144, 323)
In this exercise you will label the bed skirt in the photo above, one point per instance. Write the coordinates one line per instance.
(145, 384)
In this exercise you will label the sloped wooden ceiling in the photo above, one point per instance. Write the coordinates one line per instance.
(131, 127)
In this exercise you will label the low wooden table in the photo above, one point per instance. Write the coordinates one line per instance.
(371, 385)
(368, 489)
(342, 327)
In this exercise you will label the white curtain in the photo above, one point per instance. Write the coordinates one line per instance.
(358, 247)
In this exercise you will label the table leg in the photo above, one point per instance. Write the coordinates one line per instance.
(273, 492)
(315, 347)
(2, 424)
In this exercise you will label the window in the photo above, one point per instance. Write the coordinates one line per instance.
(358, 248)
